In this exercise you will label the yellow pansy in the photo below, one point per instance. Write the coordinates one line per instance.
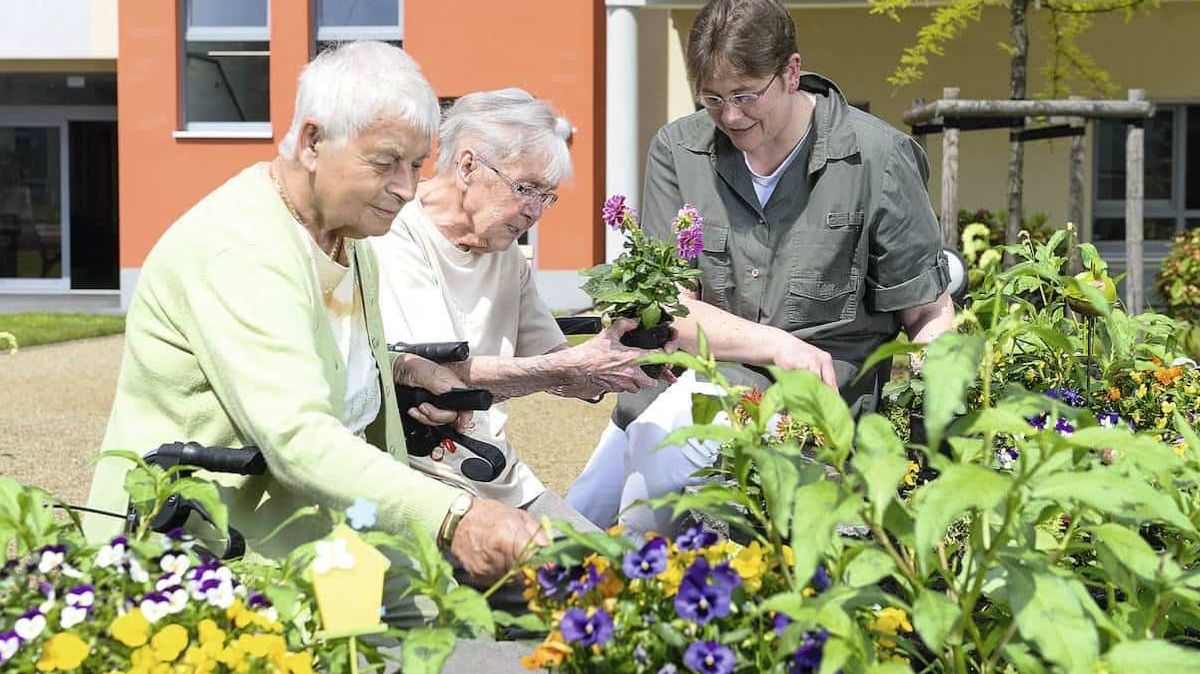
(888, 623)
(1141, 391)
(672, 576)
(789, 556)
(298, 663)
(198, 660)
(169, 642)
(64, 651)
(231, 656)
(1168, 407)
(721, 551)
(131, 629)
(750, 565)
(910, 474)
(143, 661)
(549, 653)
(263, 645)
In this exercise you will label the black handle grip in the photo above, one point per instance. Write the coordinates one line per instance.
(579, 325)
(239, 460)
(458, 399)
(438, 352)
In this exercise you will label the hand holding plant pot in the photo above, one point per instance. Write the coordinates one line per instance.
(644, 282)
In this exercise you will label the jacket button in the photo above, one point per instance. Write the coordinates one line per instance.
(753, 273)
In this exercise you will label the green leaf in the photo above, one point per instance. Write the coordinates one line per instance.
(1053, 339)
(1118, 496)
(1139, 450)
(1134, 553)
(809, 399)
(952, 362)
(961, 487)
(1151, 657)
(650, 315)
(426, 649)
(469, 607)
(1190, 437)
(780, 477)
(934, 617)
(886, 352)
(1000, 419)
(669, 635)
(819, 507)
(205, 494)
(141, 483)
(527, 621)
(887, 667)
(705, 408)
(1049, 615)
(880, 460)
(869, 567)
(718, 433)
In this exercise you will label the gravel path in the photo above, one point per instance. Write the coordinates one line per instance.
(55, 400)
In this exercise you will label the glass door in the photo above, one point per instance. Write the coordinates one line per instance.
(33, 232)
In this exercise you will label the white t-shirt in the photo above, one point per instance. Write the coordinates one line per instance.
(344, 309)
(764, 186)
(432, 291)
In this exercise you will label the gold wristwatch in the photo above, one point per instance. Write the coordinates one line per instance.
(458, 509)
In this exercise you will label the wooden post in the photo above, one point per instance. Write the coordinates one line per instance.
(919, 137)
(950, 179)
(1135, 159)
(1075, 192)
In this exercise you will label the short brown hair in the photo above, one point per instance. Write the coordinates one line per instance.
(751, 38)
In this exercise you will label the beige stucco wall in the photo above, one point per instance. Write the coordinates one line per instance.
(47, 30)
(1157, 51)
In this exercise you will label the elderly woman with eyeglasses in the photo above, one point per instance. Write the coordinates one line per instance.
(450, 272)
(255, 322)
(820, 243)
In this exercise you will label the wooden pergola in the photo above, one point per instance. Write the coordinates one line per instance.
(950, 115)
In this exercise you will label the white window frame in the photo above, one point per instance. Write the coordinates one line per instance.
(351, 33)
(191, 33)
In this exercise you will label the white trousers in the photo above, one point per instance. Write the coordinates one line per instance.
(628, 466)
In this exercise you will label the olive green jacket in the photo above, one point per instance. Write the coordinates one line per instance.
(847, 239)
(227, 343)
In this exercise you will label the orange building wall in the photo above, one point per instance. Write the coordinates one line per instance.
(553, 48)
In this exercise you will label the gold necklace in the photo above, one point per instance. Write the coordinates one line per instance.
(338, 246)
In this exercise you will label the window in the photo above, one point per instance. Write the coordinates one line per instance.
(1172, 175)
(226, 66)
(340, 21)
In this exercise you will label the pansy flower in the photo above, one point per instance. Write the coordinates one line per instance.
(112, 554)
(695, 538)
(594, 629)
(807, 658)
(1067, 395)
(30, 625)
(709, 657)
(50, 557)
(647, 562)
(10, 643)
(551, 577)
(704, 596)
(155, 606)
(1064, 427)
(1007, 457)
(1108, 419)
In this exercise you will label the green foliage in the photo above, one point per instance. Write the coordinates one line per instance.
(1067, 67)
(1178, 281)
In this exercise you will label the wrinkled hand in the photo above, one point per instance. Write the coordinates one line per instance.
(603, 364)
(415, 371)
(795, 354)
(492, 538)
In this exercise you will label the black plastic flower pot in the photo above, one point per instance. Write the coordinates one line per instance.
(650, 338)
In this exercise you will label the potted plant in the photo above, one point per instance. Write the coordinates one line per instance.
(643, 283)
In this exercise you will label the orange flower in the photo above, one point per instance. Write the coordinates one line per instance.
(1114, 394)
(1167, 376)
(549, 653)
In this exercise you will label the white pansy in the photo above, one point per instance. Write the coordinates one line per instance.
(49, 560)
(29, 626)
(72, 616)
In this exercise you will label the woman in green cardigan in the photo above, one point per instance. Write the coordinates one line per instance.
(255, 322)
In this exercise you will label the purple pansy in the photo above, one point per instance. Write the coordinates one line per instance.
(709, 657)
(700, 601)
(1064, 427)
(780, 622)
(1108, 419)
(647, 562)
(1067, 395)
(820, 579)
(695, 538)
(807, 659)
(551, 578)
(30, 625)
(112, 554)
(586, 582)
(577, 626)
(639, 655)
(1007, 457)
(10, 643)
(1038, 422)
(614, 211)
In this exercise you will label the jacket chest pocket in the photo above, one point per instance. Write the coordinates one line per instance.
(825, 273)
(715, 265)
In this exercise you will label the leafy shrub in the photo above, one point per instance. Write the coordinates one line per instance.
(1179, 280)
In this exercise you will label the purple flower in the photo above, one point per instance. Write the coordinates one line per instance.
(1108, 419)
(9, 643)
(82, 595)
(648, 562)
(695, 538)
(709, 657)
(807, 659)
(1038, 422)
(551, 578)
(820, 579)
(689, 242)
(257, 600)
(639, 655)
(780, 622)
(1064, 427)
(577, 625)
(1007, 457)
(1067, 395)
(585, 583)
(614, 212)
(699, 600)
(668, 669)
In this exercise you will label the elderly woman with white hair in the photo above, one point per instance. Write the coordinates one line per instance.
(255, 322)
(449, 272)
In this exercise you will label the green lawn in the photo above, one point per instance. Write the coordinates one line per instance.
(32, 329)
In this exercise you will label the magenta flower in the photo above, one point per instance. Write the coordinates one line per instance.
(690, 242)
(614, 212)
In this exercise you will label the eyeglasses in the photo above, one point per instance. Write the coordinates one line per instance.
(523, 189)
(714, 102)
